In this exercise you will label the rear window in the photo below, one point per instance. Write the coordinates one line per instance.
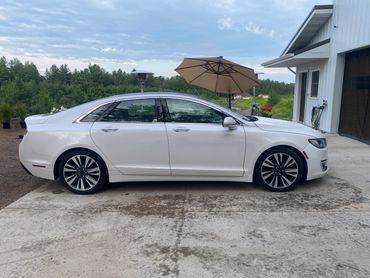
(94, 115)
(138, 110)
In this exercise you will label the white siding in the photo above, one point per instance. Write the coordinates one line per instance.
(352, 21)
(352, 18)
(348, 29)
(324, 32)
(322, 93)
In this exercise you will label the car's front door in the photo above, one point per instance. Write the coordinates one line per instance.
(133, 138)
(199, 144)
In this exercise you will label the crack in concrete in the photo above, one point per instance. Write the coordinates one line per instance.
(180, 224)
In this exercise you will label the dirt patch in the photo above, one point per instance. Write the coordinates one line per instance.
(14, 181)
(331, 194)
(166, 205)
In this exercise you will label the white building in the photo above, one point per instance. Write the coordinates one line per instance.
(331, 56)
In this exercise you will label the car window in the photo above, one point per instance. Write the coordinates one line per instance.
(138, 110)
(183, 111)
(94, 115)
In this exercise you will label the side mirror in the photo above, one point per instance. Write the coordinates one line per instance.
(229, 122)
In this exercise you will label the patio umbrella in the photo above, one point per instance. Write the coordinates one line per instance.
(218, 75)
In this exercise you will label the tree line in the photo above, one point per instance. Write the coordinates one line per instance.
(26, 91)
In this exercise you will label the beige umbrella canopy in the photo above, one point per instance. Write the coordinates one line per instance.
(218, 75)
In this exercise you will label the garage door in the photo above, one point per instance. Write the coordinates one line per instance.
(355, 107)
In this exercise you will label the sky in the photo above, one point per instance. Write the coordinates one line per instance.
(150, 35)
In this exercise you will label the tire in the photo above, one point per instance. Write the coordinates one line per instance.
(279, 169)
(83, 172)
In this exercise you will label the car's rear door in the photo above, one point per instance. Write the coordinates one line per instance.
(199, 144)
(133, 137)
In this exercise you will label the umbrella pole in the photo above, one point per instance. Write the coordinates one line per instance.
(229, 100)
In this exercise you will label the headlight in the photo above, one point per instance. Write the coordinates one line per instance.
(318, 142)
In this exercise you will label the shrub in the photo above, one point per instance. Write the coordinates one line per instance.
(20, 111)
(283, 109)
(247, 103)
(5, 112)
(274, 99)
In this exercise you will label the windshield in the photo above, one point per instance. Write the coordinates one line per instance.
(249, 118)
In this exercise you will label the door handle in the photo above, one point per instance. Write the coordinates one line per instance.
(181, 129)
(109, 129)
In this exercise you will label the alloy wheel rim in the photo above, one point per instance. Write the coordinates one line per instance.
(81, 172)
(279, 170)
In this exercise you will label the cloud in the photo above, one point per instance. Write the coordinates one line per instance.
(226, 5)
(109, 49)
(225, 23)
(258, 30)
(90, 40)
(127, 63)
(104, 4)
(153, 35)
(4, 39)
(67, 45)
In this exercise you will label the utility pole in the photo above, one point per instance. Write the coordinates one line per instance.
(254, 108)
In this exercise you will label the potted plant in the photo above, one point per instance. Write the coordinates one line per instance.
(5, 114)
(20, 111)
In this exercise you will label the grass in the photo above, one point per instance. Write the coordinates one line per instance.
(281, 110)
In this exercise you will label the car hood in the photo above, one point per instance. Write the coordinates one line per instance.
(275, 125)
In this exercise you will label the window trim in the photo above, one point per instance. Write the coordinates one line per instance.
(318, 84)
(117, 102)
(79, 119)
(168, 116)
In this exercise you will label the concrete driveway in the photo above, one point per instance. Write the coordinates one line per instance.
(322, 229)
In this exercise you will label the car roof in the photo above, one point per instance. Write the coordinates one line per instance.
(151, 94)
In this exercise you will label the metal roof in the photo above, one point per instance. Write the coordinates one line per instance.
(314, 52)
(309, 28)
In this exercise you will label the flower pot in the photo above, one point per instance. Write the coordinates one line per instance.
(6, 125)
(23, 124)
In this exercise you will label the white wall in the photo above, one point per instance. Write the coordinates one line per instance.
(324, 32)
(348, 29)
(352, 18)
(312, 101)
(352, 21)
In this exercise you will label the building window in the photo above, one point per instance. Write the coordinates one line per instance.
(315, 78)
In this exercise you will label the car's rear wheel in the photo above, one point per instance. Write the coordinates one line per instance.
(83, 172)
(279, 169)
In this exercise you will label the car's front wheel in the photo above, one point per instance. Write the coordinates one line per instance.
(279, 169)
(83, 172)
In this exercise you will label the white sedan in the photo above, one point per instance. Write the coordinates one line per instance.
(168, 136)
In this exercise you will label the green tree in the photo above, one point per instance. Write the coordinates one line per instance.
(4, 71)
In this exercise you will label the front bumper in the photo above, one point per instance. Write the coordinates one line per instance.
(317, 160)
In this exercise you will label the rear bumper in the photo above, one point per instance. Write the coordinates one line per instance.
(317, 160)
(36, 167)
(25, 169)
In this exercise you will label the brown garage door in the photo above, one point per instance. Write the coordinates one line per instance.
(355, 107)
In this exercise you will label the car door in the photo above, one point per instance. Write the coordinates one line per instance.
(133, 137)
(199, 144)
